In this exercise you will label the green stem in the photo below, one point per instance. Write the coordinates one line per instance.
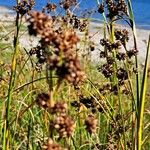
(135, 46)
(11, 86)
(132, 22)
(115, 80)
(142, 99)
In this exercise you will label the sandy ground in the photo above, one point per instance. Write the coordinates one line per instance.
(4, 10)
(95, 31)
(6, 14)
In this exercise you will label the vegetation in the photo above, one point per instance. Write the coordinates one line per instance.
(54, 97)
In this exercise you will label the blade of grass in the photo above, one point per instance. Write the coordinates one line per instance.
(6, 136)
(133, 27)
(142, 98)
(132, 22)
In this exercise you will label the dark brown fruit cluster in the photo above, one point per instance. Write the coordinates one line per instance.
(78, 23)
(50, 145)
(101, 8)
(40, 24)
(42, 100)
(122, 36)
(91, 124)
(50, 7)
(63, 59)
(107, 70)
(64, 125)
(24, 6)
(122, 74)
(90, 104)
(109, 45)
(132, 52)
(59, 108)
(66, 4)
(116, 8)
(120, 56)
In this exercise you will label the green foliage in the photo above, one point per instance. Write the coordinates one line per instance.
(105, 111)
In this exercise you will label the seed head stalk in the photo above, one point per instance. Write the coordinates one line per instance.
(6, 134)
(114, 80)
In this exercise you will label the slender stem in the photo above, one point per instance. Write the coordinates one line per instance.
(132, 22)
(135, 46)
(142, 99)
(49, 74)
(11, 86)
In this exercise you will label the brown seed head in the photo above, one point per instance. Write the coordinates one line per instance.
(50, 7)
(64, 125)
(91, 124)
(59, 108)
(39, 24)
(24, 6)
(42, 100)
(66, 4)
(101, 8)
(52, 146)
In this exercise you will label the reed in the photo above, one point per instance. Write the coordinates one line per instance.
(55, 97)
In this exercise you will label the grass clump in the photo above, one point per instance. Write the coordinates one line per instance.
(55, 97)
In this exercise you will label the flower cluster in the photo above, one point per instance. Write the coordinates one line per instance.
(64, 125)
(110, 68)
(50, 145)
(42, 100)
(66, 4)
(116, 8)
(132, 52)
(122, 74)
(59, 108)
(91, 124)
(24, 6)
(109, 45)
(107, 70)
(65, 40)
(120, 56)
(117, 129)
(78, 23)
(63, 59)
(40, 24)
(90, 104)
(122, 35)
(50, 7)
(101, 8)
(67, 67)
